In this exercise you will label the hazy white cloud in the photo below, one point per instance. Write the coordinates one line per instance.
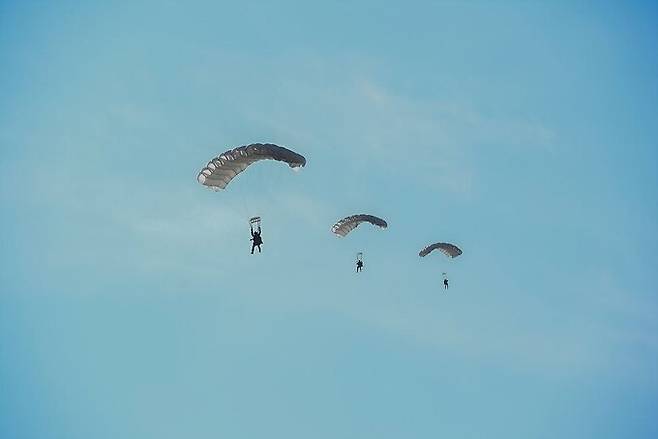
(365, 122)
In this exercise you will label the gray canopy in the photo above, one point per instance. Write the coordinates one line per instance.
(222, 169)
(450, 250)
(346, 225)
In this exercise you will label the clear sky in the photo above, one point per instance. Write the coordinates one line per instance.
(524, 132)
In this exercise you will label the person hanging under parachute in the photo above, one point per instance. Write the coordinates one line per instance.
(221, 170)
(346, 225)
(445, 280)
(256, 239)
(359, 262)
(450, 250)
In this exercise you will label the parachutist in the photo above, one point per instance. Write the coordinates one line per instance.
(450, 250)
(256, 239)
(359, 265)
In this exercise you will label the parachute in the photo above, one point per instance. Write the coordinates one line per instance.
(254, 222)
(222, 169)
(449, 250)
(346, 225)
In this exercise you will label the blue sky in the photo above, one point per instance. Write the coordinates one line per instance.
(523, 132)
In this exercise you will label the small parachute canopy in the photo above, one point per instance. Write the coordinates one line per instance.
(219, 171)
(254, 221)
(346, 225)
(447, 249)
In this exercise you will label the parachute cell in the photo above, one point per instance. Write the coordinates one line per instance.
(346, 225)
(219, 172)
(447, 249)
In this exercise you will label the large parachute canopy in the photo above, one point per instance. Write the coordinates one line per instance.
(447, 249)
(222, 169)
(346, 225)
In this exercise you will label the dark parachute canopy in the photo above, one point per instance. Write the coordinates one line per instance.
(222, 169)
(346, 225)
(447, 249)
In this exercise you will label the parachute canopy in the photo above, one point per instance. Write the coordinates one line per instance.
(222, 169)
(450, 250)
(346, 225)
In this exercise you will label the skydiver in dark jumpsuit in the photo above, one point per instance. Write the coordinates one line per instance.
(445, 283)
(256, 240)
(359, 265)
